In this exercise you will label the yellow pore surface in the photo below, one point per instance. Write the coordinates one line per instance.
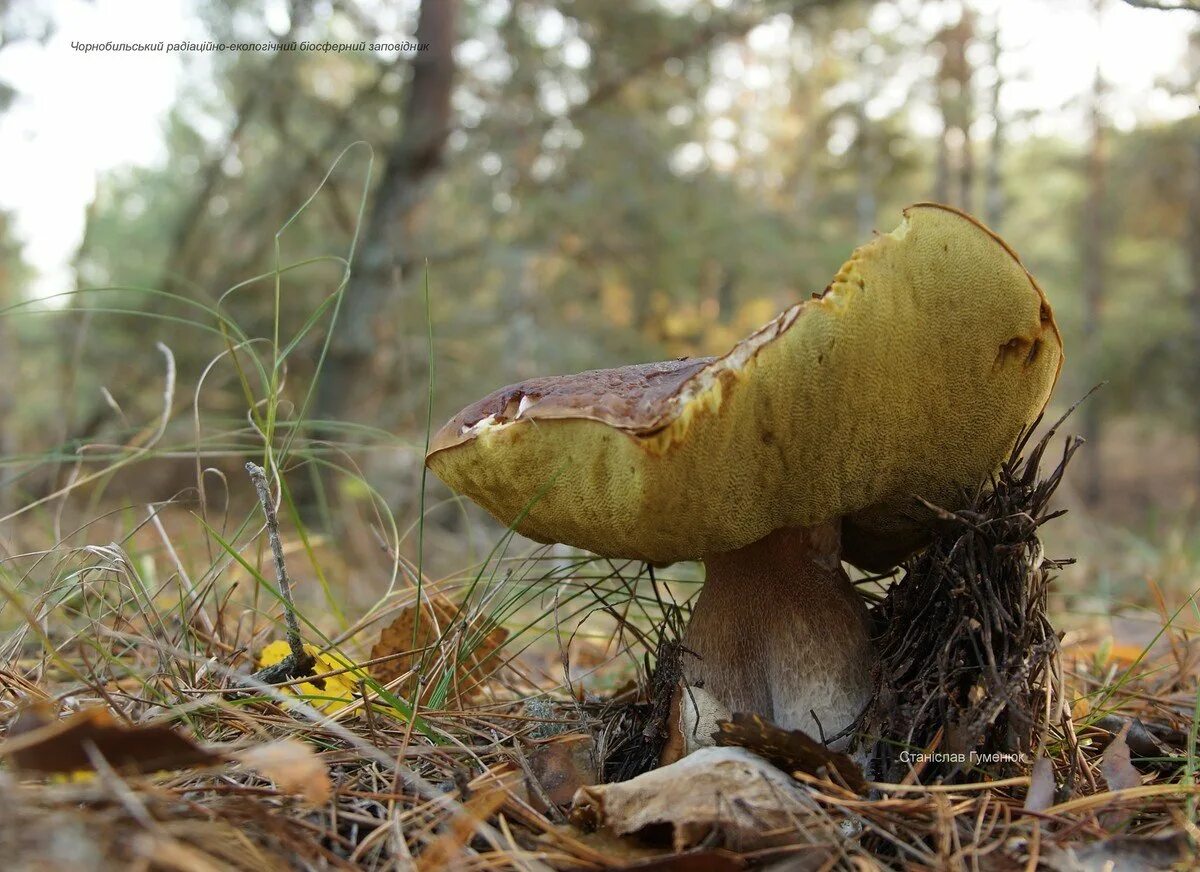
(911, 375)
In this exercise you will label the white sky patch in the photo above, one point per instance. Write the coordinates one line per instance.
(1052, 49)
(79, 115)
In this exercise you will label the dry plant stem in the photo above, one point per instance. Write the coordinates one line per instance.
(299, 662)
(779, 630)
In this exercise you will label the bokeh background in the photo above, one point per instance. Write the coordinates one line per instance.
(557, 185)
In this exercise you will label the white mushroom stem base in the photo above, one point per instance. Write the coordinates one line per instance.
(779, 630)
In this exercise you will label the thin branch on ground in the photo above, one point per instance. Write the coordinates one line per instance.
(1164, 5)
(299, 663)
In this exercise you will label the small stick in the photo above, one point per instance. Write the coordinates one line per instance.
(299, 662)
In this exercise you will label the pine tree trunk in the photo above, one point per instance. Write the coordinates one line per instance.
(1093, 273)
(387, 243)
(993, 198)
(941, 170)
(1192, 243)
(865, 201)
(8, 424)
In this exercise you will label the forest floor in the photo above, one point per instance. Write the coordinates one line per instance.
(460, 736)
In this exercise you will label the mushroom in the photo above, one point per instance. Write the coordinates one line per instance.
(912, 374)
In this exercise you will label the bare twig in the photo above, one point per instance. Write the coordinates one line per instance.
(1165, 5)
(299, 662)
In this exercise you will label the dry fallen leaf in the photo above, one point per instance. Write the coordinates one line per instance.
(294, 767)
(715, 860)
(561, 766)
(39, 742)
(791, 750)
(718, 796)
(1119, 774)
(397, 639)
(447, 847)
(1146, 740)
(1081, 708)
(1040, 795)
(1116, 767)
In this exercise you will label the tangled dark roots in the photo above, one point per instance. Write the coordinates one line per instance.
(969, 665)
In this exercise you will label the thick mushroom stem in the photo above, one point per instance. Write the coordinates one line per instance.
(779, 630)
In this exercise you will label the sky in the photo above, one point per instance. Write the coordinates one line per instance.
(79, 115)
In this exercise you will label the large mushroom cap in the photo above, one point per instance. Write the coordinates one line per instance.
(912, 374)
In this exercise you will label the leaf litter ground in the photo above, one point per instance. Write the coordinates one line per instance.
(988, 746)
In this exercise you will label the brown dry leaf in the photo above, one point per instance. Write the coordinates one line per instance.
(397, 638)
(584, 659)
(1119, 773)
(1116, 767)
(40, 742)
(1040, 795)
(561, 766)
(716, 796)
(294, 767)
(1154, 740)
(791, 750)
(448, 846)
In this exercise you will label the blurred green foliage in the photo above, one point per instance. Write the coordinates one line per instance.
(621, 182)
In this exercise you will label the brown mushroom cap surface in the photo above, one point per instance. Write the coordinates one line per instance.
(912, 374)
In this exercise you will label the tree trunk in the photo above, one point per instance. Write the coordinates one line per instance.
(865, 200)
(993, 197)
(1192, 243)
(9, 355)
(726, 293)
(966, 166)
(180, 263)
(1093, 273)
(955, 169)
(387, 241)
(941, 170)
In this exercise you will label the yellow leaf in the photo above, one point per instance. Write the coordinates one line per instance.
(325, 694)
(1080, 709)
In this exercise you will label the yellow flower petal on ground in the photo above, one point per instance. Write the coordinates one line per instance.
(335, 693)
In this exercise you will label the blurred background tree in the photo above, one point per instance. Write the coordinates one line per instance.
(587, 183)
